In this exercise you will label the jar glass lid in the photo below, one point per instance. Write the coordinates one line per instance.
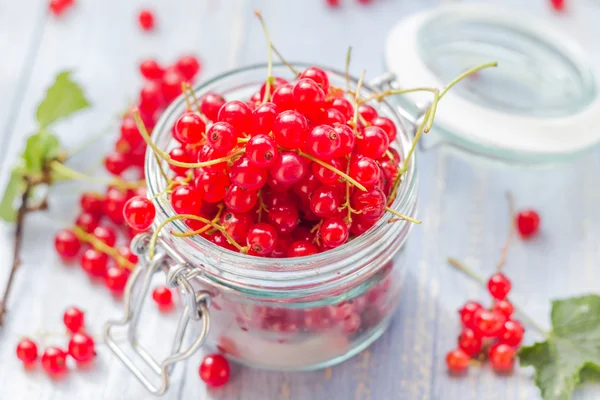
(539, 105)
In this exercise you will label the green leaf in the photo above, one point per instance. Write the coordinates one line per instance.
(15, 185)
(40, 147)
(62, 99)
(571, 353)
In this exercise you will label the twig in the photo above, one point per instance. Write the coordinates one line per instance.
(511, 231)
(479, 279)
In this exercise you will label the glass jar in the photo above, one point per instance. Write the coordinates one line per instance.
(285, 314)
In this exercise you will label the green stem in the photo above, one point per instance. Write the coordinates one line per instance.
(402, 216)
(391, 92)
(479, 279)
(103, 247)
(267, 95)
(284, 61)
(356, 102)
(333, 169)
(348, 59)
(69, 173)
(465, 74)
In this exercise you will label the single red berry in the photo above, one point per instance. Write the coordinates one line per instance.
(220, 240)
(92, 203)
(469, 342)
(221, 136)
(284, 218)
(290, 129)
(116, 279)
(318, 76)
(347, 140)
(263, 118)
(54, 361)
(373, 142)
(126, 253)
(528, 223)
(94, 262)
(116, 163)
(308, 96)
(370, 204)
(499, 286)
(262, 238)
(246, 174)
(283, 98)
(81, 347)
(188, 66)
(151, 69)
(502, 357)
(106, 234)
(139, 213)
(67, 244)
(240, 200)
(58, 7)
(237, 225)
(113, 206)
(503, 307)
(179, 154)
(344, 106)
(387, 125)
(322, 142)
(146, 20)
(214, 370)
(302, 248)
(332, 116)
(457, 361)
(367, 112)
(213, 185)
(467, 313)
(186, 199)
(74, 319)
(239, 115)
(171, 84)
(325, 201)
(334, 232)
(88, 222)
(162, 296)
(326, 175)
(512, 333)
(488, 323)
(210, 105)
(365, 171)
(289, 168)
(189, 128)
(558, 5)
(130, 132)
(27, 351)
(262, 151)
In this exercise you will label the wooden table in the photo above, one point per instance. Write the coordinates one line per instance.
(462, 203)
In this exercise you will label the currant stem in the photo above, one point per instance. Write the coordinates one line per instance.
(391, 92)
(478, 278)
(333, 169)
(67, 172)
(197, 104)
(356, 100)
(267, 95)
(347, 203)
(154, 238)
(167, 157)
(203, 229)
(511, 231)
(261, 206)
(284, 61)
(188, 104)
(348, 60)
(103, 247)
(465, 74)
(402, 216)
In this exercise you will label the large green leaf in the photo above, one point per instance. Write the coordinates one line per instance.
(62, 99)
(8, 212)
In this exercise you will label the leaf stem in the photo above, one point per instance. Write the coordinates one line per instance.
(479, 279)
(356, 100)
(267, 95)
(511, 231)
(67, 172)
(333, 169)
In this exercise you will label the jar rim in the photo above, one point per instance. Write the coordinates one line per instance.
(233, 266)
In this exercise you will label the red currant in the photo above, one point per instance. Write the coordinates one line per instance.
(116, 279)
(318, 76)
(221, 241)
(469, 342)
(88, 222)
(151, 69)
(263, 118)
(333, 116)
(347, 140)
(325, 201)
(344, 106)
(373, 142)
(240, 200)
(275, 83)
(189, 128)
(504, 307)
(283, 98)
(171, 84)
(92, 203)
(94, 262)
(387, 125)
(502, 357)
(261, 150)
(247, 175)
(188, 66)
(81, 347)
(262, 238)
(365, 171)
(290, 129)
(210, 105)
(370, 204)
(488, 323)
(146, 20)
(214, 370)
(322, 142)
(239, 115)
(74, 319)
(150, 97)
(326, 175)
(212, 184)
(67, 244)
(139, 213)
(467, 313)
(27, 351)
(558, 5)
(54, 361)
(237, 225)
(113, 206)
(302, 248)
(221, 136)
(457, 361)
(334, 232)
(499, 286)
(308, 96)
(512, 333)
(528, 223)
(162, 296)
(367, 112)
(186, 199)
(288, 169)
(283, 217)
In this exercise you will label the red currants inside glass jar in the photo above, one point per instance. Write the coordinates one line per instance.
(285, 231)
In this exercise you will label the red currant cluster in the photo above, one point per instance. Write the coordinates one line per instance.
(295, 170)
(58, 7)
(81, 346)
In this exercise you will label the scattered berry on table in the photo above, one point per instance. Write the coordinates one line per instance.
(54, 361)
(58, 7)
(499, 286)
(27, 351)
(162, 296)
(214, 370)
(146, 20)
(457, 361)
(81, 347)
(74, 319)
(502, 357)
(558, 5)
(528, 223)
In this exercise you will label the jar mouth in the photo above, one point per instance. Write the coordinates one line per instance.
(229, 265)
